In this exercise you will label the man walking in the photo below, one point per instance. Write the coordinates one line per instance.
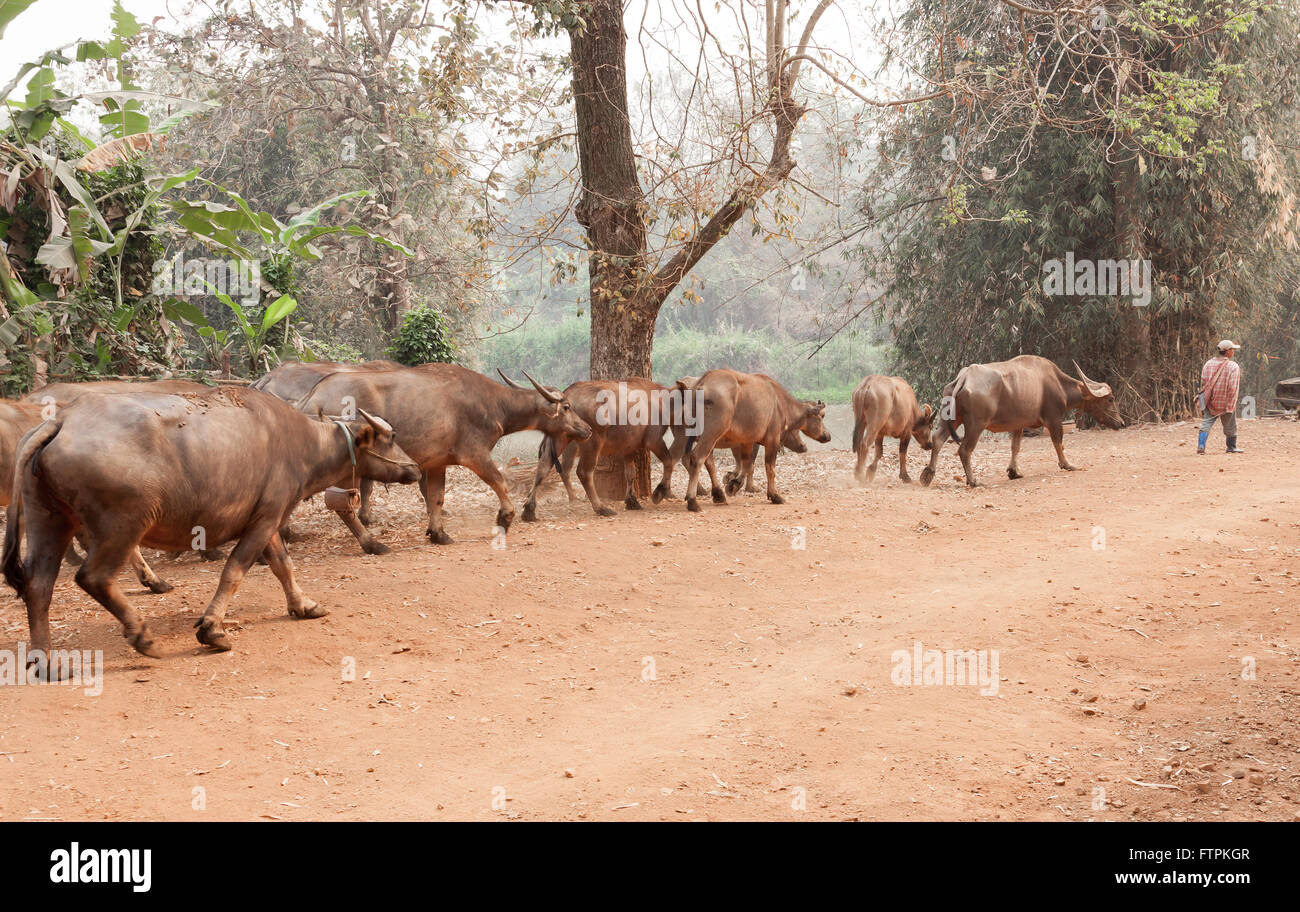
(1220, 380)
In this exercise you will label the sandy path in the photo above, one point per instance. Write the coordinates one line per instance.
(663, 665)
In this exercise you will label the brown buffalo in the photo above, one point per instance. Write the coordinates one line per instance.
(151, 469)
(448, 415)
(739, 411)
(1025, 392)
(617, 433)
(887, 407)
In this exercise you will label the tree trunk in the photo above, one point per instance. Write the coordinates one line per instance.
(611, 211)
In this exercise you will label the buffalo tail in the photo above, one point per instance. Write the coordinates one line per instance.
(11, 561)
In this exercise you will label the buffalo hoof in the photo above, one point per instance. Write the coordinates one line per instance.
(603, 510)
(718, 496)
(659, 493)
(309, 609)
(212, 554)
(365, 517)
(158, 586)
(775, 498)
(905, 479)
(211, 634)
(972, 483)
(530, 512)
(504, 519)
(439, 537)
(733, 485)
(632, 503)
(1070, 468)
(693, 505)
(927, 476)
(375, 547)
(1013, 474)
(288, 535)
(143, 643)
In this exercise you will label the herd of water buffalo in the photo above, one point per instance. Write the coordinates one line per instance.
(177, 465)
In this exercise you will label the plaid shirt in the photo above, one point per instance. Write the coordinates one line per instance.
(1219, 381)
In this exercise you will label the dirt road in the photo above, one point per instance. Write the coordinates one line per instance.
(668, 666)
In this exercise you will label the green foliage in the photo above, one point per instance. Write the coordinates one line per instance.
(966, 271)
(423, 337)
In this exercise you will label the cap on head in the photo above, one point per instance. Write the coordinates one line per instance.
(1227, 344)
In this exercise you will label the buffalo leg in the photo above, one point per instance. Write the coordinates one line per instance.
(878, 443)
(719, 493)
(769, 463)
(364, 536)
(694, 462)
(364, 515)
(1013, 471)
(589, 457)
(902, 457)
(277, 556)
(49, 535)
(936, 443)
(545, 453)
(148, 578)
(629, 476)
(743, 473)
(665, 457)
(106, 553)
(487, 470)
(676, 454)
(973, 432)
(246, 550)
(567, 459)
(433, 485)
(1058, 440)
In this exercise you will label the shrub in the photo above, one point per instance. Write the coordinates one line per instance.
(424, 337)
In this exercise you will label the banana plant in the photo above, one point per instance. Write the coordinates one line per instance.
(253, 332)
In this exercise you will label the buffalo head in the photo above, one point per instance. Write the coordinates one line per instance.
(1098, 401)
(921, 427)
(378, 455)
(812, 422)
(564, 420)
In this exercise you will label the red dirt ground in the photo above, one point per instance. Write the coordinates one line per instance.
(668, 666)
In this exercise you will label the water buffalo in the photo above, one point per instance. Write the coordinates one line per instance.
(739, 411)
(447, 415)
(887, 407)
(1025, 392)
(151, 469)
(638, 427)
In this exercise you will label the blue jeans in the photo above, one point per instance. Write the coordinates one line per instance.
(1229, 423)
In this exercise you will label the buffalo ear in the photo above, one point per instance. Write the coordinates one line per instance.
(364, 435)
(929, 413)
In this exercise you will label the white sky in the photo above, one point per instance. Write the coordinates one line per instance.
(52, 23)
